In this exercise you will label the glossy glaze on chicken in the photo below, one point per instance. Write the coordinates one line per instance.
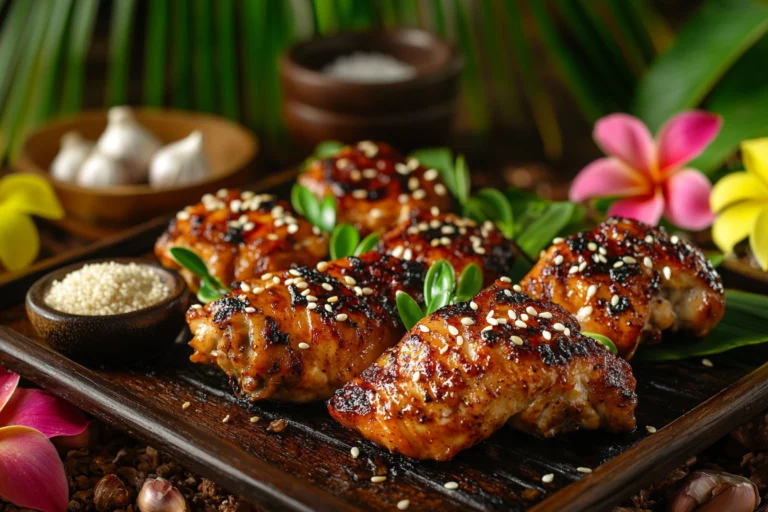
(240, 235)
(374, 186)
(463, 372)
(630, 282)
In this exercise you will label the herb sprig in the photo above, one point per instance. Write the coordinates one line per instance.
(345, 241)
(210, 287)
(320, 213)
(440, 289)
(603, 340)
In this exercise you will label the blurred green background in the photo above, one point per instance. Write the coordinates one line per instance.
(537, 73)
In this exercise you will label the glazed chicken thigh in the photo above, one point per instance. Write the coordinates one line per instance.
(374, 186)
(630, 282)
(463, 372)
(240, 235)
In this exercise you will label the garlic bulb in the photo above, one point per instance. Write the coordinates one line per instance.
(159, 495)
(129, 142)
(715, 490)
(74, 151)
(180, 163)
(99, 170)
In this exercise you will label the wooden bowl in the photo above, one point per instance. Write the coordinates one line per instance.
(408, 113)
(110, 339)
(230, 149)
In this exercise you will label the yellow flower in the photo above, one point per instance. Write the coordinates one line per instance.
(740, 201)
(22, 195)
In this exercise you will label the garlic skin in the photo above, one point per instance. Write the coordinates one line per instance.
(99, 170)
(127, 141)
(180, 163)
(713, 491)
(70, 158)
(159, 495)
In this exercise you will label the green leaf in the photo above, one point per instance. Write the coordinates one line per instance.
(368, 244)
(226, 39)
(438, 301)
(119, 51)
(463, 180)
(705, 48)
(343, 242)
(475, 209)
(154, 58)
(603, 340)
(409, 310)
(744, 321)
(327, 217)
(715, 258)
(440, 159)
(440, 278)
(540, 232)
(191, 261)
(305, 202)
(327, 149)
(11, 39)
(206, 293)
(470, 283)
(202, 85)
(181, 55)
(503, 215)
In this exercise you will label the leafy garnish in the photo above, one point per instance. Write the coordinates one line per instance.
(345, 241)
(453, 172)
(210, 287)
(440, 289)
(320, 213)
(368, 244)
(325, 149)
(744, 321)
(603, 340)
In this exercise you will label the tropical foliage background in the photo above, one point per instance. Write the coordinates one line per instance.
(220, 56)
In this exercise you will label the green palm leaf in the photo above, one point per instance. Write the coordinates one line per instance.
(119, 51)
(80, 33)
(154, 53)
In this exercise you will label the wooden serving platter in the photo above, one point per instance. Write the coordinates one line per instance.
(308, 466)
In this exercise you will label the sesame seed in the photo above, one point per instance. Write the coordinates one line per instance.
(423, 328)
(333, 299)
(505, 279)
(558, 259)
(305, 292)
(524, 317)
(416, 377)
(245, 287)
(674, 239)
(467, 321)
(451, 485)
(586, 311)
(311, 298)
(507, 293)
(518, 288)
(367, 291)
(369, 173)
(197, 306)
(667, 273)
(419, 194)
(618, 264)
(591, 291)
(573, 270)
(430, 175)
(521, 324)
(512, 314)
(629, 260)
(329, 308)
(517, 340)
(650, 429)
(378, 479)
(402, 168)
(266, 276)
(548, 478)
(407, 254)
(294, 272)
(582, 266)
(478, 249)
(226, 419)
(327, 286)
(558, 327)
(303, 346)
(558, 240)
(254, 419)
(350, 280)
(312, 305)
(440, 189)
(301, 285)
(649, 239)
(567, 331)
(707, 363)
(602, 251)
(459, 340)
(402, 198)
(250, 309)
(545, 314)
(403, 505)
(583, 470)
(355, 451)
(473, 305)
(272, 237)
(592, 246)
(486, 328)
(648, 262)
(454, 331)
(614, 300)
(322, 266)
(547, 335)
(341, 317)
(186, 405)
(493, 321)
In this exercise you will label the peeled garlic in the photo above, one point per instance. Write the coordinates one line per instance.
(99, 170)
(127, 141)
(74, 151)
(180, 163)
(159, 495)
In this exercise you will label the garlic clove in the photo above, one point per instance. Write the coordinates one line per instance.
(159, 495)
(73, 153)
(99, 170)
(180, 163)
(126, 140)
(709, 491)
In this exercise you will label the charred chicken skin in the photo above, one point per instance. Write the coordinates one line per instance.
(298, 335)
(374, 186)
(463, 372)
(630, 282)
(240, 235)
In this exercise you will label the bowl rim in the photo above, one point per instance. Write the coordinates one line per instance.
(25, 163)
(294, 71)
(41, 286)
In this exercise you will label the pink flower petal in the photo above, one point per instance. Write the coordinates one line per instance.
(647, 209)
(628, 139)
(608, 177)
(44, 412)
(31, 473)
(685, 136)
(687, 196)
(8, 383)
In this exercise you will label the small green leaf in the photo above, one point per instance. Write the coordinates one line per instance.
(715, 258)
(463, 180)
(470, 283)
(368, 244)
(540, 232)
(440, 277)
(475, 210)
(208, 294)
(440, 159)
(343, 242)
(603, 340)
(438, 301)
(306, 203)
(190, 260)
(502, 216)
(326, 219)
(409, 310)
(327, 149)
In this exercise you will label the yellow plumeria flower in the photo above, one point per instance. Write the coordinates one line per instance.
(740, 201)
(23, 195)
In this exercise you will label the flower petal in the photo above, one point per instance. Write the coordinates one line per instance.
(686, 194)
(8, 383)
(736, 187)
(32, 473)
(30, 194)
(685, 136)
(628, 139)
(647, 209)
(758, 239)
(734, 224)
(19, 241)
(754, 154)
(42, 411)
(608, 177)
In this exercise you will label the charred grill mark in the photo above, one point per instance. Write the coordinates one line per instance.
(272, 334)
(226, 307)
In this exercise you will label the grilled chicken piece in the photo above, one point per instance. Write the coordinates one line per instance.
(256, 334)
(241, 235)
(630, 282)
(430, 236)
(374, 186)
(297, 336)
(463, 372)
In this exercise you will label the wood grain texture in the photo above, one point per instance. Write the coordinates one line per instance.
(308, 465)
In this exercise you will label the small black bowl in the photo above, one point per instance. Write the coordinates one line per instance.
(110, 339)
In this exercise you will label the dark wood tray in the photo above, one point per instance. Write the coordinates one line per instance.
(308, 465)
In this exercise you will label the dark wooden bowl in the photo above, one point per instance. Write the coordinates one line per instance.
(110, 339)
(412, 112)
(229, 147)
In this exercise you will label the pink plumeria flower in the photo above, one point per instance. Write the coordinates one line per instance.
(31, 472)
(649, 176)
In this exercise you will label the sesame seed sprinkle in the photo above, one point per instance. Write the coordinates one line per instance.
(473, 305)
(648, 262)
(226, 419)
(416, 377)
(707, 363)
(467, 321)
(250, 309)
(558, 327)
(341, 317)
(558, 259)
(505, 279)
(403, 505)
(614, 300)
(186, 405)
(355, 452)
(545, 314)
(378, 479)
(520, 324)
(517, 340)
(591, 291)
(547, 335)
(583, 470)
(667, 273)
(303, 346)
(650, 429)
(518, 288)
(423, 328)
(454, 331)
(451, 485)
(548, 478)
